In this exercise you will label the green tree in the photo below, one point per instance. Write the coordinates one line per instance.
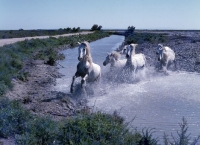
(99, 28)
(94, 27)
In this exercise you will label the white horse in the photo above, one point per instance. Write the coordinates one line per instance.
(166, 56)
(86, 68)
(134, 61)
(115, 62)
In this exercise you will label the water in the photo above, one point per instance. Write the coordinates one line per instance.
(155, 101)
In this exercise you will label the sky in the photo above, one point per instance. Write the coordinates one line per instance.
(110, 14)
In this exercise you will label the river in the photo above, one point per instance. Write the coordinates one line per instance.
(155, 101)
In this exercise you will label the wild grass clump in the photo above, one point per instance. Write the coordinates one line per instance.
(140, 38)
(13, 118)
(183, 137)
(96, 128)
(39, 131)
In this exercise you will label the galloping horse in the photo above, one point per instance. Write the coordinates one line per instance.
(115, 62)
(166, 56)
(86, 68)
(134, 61)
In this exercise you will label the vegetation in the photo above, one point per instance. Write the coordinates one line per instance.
(39, 32)
(85, 128)
(95, 27)
(183, 138)
(13, 56)
(140, 38)
(129, 31)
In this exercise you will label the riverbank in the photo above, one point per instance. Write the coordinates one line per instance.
(34, 88)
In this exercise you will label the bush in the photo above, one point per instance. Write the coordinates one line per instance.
(12, 118)
(96, 128)
(39, 131)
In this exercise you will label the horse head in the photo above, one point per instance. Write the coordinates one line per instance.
(111, 58)
(130, 50)
(83, 50)
(124, 50)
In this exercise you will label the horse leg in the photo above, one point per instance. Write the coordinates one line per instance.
(72, 84)
(83, 80)
(175, 64)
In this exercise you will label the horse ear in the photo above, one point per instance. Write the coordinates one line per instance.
(79, 43)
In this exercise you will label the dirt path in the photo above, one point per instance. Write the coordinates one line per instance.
(13, 40)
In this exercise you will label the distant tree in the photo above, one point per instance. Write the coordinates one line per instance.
(20, 29)
(78, 29)
(131, 28)
(99, 28)
(129, 31)
(68, 29)
(94, 27)
(74, 29)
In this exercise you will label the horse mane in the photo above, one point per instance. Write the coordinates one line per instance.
(115, 55)
(88, 54)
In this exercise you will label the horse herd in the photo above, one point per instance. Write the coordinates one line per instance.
(91, 72)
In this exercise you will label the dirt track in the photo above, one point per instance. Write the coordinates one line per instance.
(13, 40)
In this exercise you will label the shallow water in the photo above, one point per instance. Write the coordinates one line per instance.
(155, 100)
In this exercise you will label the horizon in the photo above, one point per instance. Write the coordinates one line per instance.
(146, 14)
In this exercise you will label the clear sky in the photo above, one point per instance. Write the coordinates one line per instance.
(116, 14)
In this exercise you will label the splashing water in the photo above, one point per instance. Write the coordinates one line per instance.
(155, 100)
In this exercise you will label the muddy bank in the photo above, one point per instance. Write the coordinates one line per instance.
(37, 93)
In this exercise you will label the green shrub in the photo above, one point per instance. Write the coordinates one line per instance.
(96, 128)
(12, 117)
(39, 131)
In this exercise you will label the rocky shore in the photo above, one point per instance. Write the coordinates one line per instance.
(186, 45)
